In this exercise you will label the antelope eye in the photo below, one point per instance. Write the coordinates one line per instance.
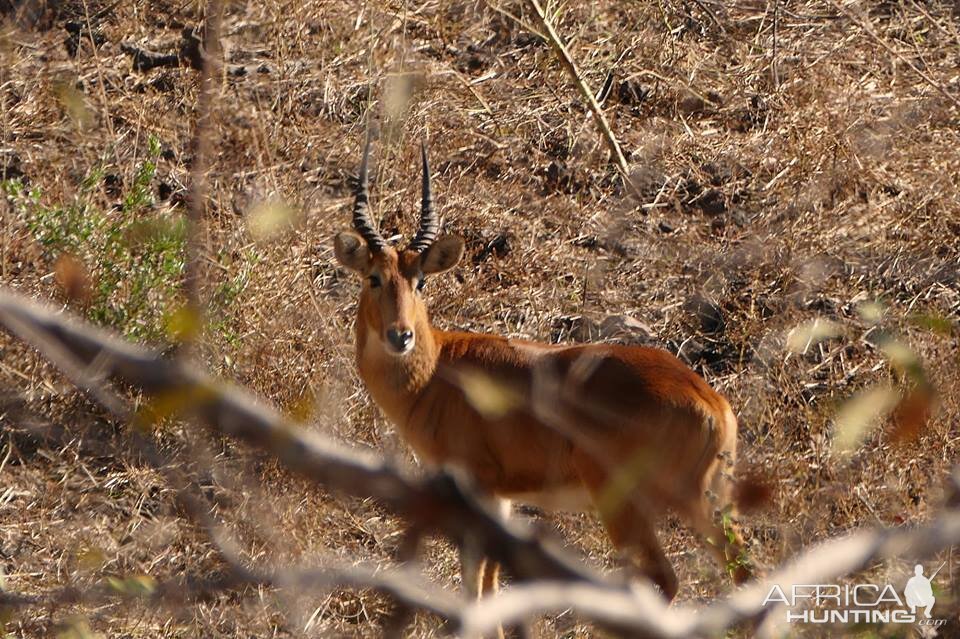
(374, 281)
(420, 282)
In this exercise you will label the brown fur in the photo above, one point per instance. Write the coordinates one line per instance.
(632, 427)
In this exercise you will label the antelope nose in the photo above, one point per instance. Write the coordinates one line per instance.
(401, 340)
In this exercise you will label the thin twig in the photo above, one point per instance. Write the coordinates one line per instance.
(550, 34)
(774, 71)
(711, 14)
(400, 585)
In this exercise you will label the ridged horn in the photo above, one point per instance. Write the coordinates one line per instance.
(429, 222)
(361, 206)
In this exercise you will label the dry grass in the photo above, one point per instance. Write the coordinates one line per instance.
(794, 167)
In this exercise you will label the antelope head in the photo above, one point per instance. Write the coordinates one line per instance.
(391, 306)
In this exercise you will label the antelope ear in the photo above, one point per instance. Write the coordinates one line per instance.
(351, 251)
(442, 255)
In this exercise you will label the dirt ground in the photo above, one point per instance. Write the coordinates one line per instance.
(793, 234)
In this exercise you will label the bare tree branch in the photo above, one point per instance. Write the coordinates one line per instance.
(400, 585)
(438, 503)
(404, 587)
(548, 581)
(639, 614)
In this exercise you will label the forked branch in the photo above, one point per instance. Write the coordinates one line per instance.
(547, 581)
(437, 504)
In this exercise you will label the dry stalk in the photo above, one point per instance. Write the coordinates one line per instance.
(566, 60)
(210, 75)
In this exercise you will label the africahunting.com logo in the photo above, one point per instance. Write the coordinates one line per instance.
(860, 603)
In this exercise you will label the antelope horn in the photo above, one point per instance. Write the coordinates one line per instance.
(361, 206)
(429, 222)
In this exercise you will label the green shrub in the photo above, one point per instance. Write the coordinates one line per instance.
(134, 256)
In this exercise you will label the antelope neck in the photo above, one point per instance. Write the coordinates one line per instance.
(395, 382)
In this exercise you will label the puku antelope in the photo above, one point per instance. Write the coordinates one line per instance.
(630, 429)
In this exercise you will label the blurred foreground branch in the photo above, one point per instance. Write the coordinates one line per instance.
(437, 504)
(547, 581)
(401, 586)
